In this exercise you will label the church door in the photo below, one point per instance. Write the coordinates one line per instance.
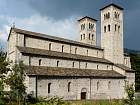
(83, 95)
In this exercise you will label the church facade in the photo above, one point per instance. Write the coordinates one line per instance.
(75, 70)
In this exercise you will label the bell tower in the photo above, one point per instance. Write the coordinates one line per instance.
(87, 30)
(112, 33)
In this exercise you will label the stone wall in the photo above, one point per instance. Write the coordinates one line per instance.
(57, 46)
(52, 62)
(106, 88)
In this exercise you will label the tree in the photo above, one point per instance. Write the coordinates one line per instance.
(130, 91)
(135, 62)
(3, 72)
(16, 81)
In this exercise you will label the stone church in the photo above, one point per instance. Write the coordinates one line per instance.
(75, 70)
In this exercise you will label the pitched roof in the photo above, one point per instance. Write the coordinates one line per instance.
(124, 67)
(35, 51)
(71, 72)
(58, 39)
(87, 17)
(112, 4)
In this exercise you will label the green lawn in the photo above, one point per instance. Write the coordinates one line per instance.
(91, 102)
(100, 102)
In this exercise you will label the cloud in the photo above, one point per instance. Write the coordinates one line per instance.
(67, 28)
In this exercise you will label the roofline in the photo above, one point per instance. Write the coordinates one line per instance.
(47, 53)
(54, 38)
(87, 17)
(112, 4)
(91, 77)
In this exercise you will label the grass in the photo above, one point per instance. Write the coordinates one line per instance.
(100, 102)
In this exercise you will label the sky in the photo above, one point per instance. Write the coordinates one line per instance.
(59, 17)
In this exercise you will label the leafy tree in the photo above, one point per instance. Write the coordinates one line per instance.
(16, 81)
(3, 72)
(135, 62)
(130, 94)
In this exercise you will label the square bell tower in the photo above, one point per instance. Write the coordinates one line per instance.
(112, 33)
(87, 27)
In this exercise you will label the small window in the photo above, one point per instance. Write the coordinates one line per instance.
(75, 50)
(49, 87)
(49, 46)
(72, 64)
(83, 26)
(57, 63)
(107, 67)
(98, 85)
(86, 65)
(81, 37)
(24, 41)
(115, 27)
(118, 28)
(109, 84)
(97, 67)
(69, 86)
(39, 62)
(89, 25)
(89, 36)
(108, 15)
(104, 29)
(92, 37)
(62, 48)
(92, 26)
(104, 17)
(87, 52)
(97, 53)
(108, 27)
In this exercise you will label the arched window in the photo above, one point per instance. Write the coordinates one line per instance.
(83, 36)
(108, 15)
(62, 48)
(57, 63)
(86, 65)
(97, 67)
(75, 50)
(49, 87)
(87, 52)
(92, 37)
(115, 27)
(108, 27)
(98, 85)
(39, 62)
(49, 46)
(72, 64)
(118, 28)
(109, 84)
(89, 36)
(69, 86)
(104, 17)
(107, 67)
(92, 26)
(97, 53)
(83, 26)
(104, 28)
(89, 25)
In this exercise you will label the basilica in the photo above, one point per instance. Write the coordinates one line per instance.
(75, 70)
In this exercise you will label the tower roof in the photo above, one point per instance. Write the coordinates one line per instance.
(112, 4)
(88, 18)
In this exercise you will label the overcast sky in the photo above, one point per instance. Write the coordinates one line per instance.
(59, 17)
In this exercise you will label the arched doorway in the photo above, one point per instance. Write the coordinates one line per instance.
(83, 93)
